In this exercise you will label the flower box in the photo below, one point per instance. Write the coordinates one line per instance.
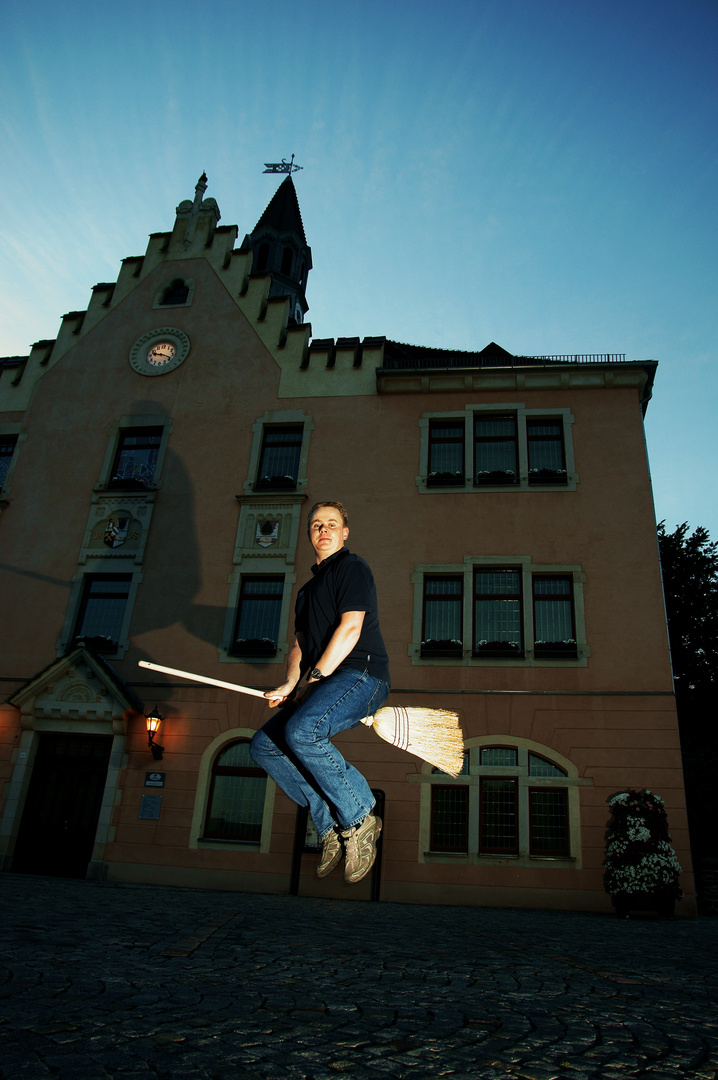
(556, 650)
(496, 476)
(501, 649)
(99, 644)
(254, 647)
(279, 483)
(446, 648)
(445, 479)
(548, 476)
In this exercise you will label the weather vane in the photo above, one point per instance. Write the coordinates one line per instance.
(282, 167)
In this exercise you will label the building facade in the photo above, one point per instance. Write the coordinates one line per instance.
(157, 462)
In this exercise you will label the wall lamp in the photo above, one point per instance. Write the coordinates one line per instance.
(153, 726)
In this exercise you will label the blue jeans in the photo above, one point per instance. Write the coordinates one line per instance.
(293, 747)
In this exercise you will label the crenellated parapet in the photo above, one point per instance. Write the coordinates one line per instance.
(319, 368)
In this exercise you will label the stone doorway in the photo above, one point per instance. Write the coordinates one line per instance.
(62, 808)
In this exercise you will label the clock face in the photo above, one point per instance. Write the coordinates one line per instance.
(160, 354)
(159, 351)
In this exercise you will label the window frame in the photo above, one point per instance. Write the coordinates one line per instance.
(493, 477)
(197, 840)
(444, 478)
(524, 852)
(496, 648)
(126, 484)
(271, 482)
(124, 424)
(11, 441)
(542, 475)
(278, 418)
(247, 771)
(469, 416)
(555, 649)
(257, 652)
(98, 568)
(574, 655)
(89, 580)
(442, 647)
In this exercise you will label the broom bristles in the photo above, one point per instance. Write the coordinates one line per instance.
(431, 734)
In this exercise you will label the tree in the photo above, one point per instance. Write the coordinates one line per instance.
(690, 583)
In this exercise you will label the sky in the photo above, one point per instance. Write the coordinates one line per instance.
(539, 173)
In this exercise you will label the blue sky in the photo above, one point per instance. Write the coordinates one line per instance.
(540, 173)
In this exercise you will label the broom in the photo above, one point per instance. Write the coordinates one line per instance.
(433, 735)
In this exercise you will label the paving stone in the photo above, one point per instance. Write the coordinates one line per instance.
(238, 985)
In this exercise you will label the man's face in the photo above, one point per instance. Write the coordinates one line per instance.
(327, 532)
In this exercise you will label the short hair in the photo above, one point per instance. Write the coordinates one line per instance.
(337, 506)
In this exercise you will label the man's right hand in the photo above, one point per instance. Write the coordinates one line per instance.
(280, 695)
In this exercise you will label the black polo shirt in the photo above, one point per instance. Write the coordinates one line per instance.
(341, 583)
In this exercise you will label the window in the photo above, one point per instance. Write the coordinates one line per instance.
(546, 457)
(508, 802)
(482, 612)
(554, 620)
(136, 458)
(443, 615)
(102, 611)
(237, 796)
(258, 615)
(287, 259)
(508, 447)
(495, 449)
(7, 449)
(446, 452)
(497, 613)
(279, 457)
(175, 293)
(262, 258)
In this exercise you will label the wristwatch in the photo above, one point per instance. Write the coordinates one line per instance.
(315, 674)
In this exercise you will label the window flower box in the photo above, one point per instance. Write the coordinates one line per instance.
(499, 649)
(548, 476)
(99, 643)
(446, 648)
(495, 477)
(556, 650)
(255, 647)
(445, 479)
(275, 483)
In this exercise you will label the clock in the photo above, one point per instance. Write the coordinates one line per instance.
(159, 351)
(160, 354)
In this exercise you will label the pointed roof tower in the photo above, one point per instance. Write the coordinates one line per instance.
(280, 249)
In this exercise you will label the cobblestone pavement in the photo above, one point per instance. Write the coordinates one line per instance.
(124, 981)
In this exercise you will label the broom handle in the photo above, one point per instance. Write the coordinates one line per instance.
(202, 679)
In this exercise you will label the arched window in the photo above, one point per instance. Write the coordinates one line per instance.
(236, 798)
(262, 258)
(175, 293)
(509, 801)
(287, 258)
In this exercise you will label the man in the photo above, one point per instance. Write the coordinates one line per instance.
(339, 648)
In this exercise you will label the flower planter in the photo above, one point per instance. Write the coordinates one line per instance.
(441, 649)
(254, 647)
(500, 649)
(641, 871)
(497, 476)
(555, 650)
(547, 476)
(276, 483)
(627, 903)
(445, 479)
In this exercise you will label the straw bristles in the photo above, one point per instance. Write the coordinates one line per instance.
(431, 734)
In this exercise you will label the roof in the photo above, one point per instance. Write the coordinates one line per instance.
(282, 213)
